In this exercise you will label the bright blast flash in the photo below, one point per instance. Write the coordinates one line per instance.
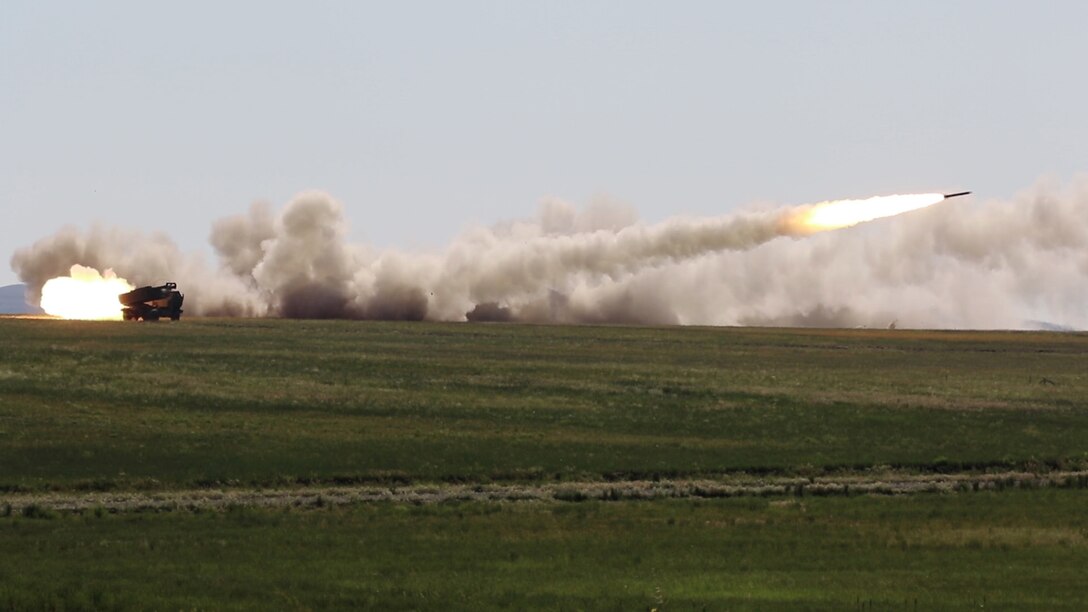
(85, 294)
(846, 213)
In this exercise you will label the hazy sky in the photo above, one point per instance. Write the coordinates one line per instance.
(426, 117)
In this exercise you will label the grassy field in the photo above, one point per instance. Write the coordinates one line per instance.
(1016, 550)
(113, 405)
(89, 407)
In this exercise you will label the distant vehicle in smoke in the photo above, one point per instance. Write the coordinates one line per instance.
(152, 303)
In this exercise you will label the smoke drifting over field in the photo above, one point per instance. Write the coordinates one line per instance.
(958, 264)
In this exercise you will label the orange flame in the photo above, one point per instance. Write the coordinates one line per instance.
(84, 294)
(838, 214)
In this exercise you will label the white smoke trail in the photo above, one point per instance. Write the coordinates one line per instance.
(960, 264)
(965, 264)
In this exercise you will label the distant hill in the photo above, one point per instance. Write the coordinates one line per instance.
(13, 301)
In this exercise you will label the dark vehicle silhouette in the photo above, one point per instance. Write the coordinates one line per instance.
(152, 303)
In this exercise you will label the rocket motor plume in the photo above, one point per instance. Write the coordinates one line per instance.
(599, 265)
(839, 214)
(84, 294)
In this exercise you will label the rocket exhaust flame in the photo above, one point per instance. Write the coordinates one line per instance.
(84, 294)
(838, 214)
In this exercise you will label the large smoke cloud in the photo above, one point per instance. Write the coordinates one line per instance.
(956, 265)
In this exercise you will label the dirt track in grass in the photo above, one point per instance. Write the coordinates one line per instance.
(881, 483)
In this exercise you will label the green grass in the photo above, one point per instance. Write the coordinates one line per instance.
(253, 403)
(121, 405)
(1015, 550)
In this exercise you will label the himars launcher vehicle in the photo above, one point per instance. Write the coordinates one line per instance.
(152, 303)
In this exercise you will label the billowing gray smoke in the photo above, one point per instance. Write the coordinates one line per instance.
(957, 264)
(141, 259)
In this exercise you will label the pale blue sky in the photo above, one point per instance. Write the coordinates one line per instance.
(427, 117)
